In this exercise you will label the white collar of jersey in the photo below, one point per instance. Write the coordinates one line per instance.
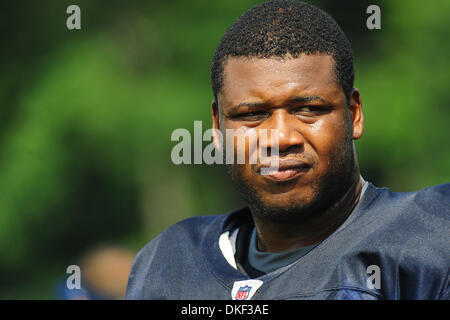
(227, 244)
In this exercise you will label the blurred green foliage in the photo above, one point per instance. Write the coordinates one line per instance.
(86, 118)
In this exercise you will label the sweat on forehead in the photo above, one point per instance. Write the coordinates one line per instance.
(275, 81)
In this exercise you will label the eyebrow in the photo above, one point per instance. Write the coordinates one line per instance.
(255, 105)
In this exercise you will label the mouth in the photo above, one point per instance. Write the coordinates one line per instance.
(287, 169)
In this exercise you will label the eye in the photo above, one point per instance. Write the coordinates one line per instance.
(310, 111)
(252, 116)
(305, 109)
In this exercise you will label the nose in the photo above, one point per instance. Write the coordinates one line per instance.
(286, 134)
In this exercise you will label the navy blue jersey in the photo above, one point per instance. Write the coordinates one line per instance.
(394, 245)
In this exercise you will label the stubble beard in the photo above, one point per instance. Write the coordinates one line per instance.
(325, 193)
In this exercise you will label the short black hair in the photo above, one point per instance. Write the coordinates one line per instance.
(285, 27)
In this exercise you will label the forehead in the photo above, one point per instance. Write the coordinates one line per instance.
(273, 80)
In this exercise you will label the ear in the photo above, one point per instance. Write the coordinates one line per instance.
(357, 114)
(216, 124)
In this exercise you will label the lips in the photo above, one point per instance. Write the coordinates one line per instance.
(287, 169)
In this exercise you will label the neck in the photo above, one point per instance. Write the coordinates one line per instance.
(279, 237)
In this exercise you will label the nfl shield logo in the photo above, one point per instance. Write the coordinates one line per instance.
(245, 289)
(243, 292)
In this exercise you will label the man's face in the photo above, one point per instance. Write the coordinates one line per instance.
(315, 129)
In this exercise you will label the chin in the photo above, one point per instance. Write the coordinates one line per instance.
(284, 208)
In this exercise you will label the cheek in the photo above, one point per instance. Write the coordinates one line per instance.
(242, 143)
(327, 137)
